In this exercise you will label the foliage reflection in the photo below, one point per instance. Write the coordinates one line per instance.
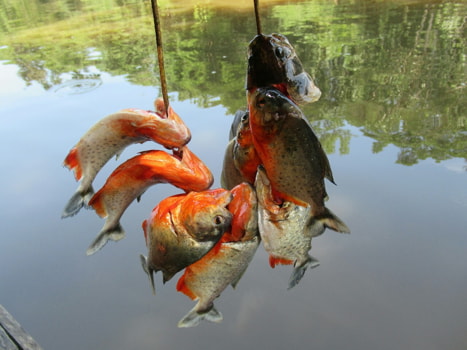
(394, 70)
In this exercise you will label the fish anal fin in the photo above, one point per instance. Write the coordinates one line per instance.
(183, 288)
(72, 162)
(97, 204)
(273, 261)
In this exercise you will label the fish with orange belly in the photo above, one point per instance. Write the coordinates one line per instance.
(129, 181)
(182, 229)
(286, 230)
(224, 264)
(111, 135)
(291, 154)
(272, 62)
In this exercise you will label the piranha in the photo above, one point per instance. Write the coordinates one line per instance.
(286, 230)
(240, 159)
(182, 229)
(130, 180)
(110, 136)
(230, 175)
(291, 154)
(273, 62)
(224, 264)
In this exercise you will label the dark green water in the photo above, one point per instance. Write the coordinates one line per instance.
(392, 118)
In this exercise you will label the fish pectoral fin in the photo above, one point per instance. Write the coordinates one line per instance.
(114, 233)
(149, 272)
(299, 271)
(193, 318)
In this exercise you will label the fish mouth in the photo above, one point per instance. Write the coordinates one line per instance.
(178, 152)
(263, 66)
(275, 104)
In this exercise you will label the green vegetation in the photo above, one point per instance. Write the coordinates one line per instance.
(395, 70)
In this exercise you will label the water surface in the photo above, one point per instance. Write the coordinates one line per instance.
(391, 118)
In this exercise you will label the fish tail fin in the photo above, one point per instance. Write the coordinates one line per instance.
(79, 199)
(330, 220)
(149, 271)
(114, 233)
(299, 271)
(193, 318)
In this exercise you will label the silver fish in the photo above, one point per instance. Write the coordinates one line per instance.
(286, 230)
(110, 136)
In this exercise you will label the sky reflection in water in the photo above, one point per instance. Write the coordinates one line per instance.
(397, 282)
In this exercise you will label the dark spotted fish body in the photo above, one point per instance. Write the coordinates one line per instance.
(273, 62)
(288, 148)
(291, 155)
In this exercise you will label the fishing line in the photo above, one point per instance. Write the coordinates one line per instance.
(258, 21)
(160, 53)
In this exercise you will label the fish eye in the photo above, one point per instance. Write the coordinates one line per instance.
(219, 220)
(282, 52)
(245, 117)
(279, 52)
